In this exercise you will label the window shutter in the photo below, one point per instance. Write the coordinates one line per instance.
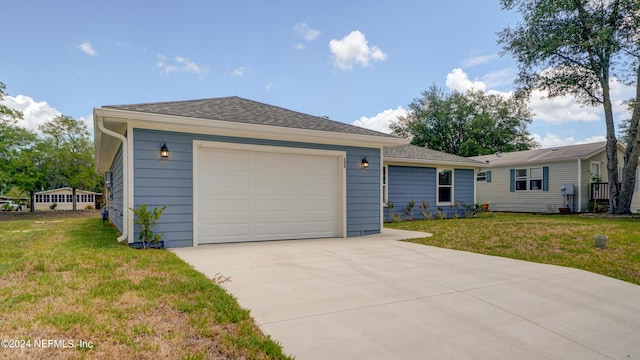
(489, 176)
(545, 178)
(512, 182)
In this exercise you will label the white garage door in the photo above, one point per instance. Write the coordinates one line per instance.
(266, 193)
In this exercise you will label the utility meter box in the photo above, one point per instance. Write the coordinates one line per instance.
(567, 189)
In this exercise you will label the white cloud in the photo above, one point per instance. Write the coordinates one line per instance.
(561, 110)
(556, 111)
(381, 121)
(239, 71)
(36, 113)
(87, 48)
(354, 49)
(478, 60)
(458, 80)
(552, 140)
(181, 64)
(304, 31)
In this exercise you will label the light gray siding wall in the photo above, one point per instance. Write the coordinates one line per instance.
(415, 183)
(116, 203)
(498, 194)
(159, 182)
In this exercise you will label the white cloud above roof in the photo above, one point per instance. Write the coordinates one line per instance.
(381, 121)
(181, 64)
(354, 49)
(458, 80)
(87, 48)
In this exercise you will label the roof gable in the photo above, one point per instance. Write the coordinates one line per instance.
(415, 153)
(239, 110)
(570, 152)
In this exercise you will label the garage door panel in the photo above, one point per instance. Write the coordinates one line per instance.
(262, 195)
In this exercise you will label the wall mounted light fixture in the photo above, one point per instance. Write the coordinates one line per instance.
(364, 164)
(164, 151)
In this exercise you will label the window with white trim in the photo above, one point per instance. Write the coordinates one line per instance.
(481, 176)
(535, 179)
(521, 179)
(445, 186)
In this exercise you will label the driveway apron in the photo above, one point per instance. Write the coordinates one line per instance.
(374, 297)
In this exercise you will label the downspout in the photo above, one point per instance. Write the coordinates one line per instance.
(125, 191)
(579, 185)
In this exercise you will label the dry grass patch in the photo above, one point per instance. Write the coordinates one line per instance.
(557, 240)
(70, 281)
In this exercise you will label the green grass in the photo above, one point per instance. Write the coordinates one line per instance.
(550, 239)
(68, 279)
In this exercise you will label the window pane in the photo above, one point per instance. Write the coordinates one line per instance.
(444, 194)
(482, 176)
(521, 172)
(521, 185)
(536, 173)
(444, 177)
(536, 185)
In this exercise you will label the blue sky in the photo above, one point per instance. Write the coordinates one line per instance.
(358, 62)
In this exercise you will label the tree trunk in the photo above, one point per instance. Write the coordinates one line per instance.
(32, 206)
(74, 198)
(631, 155)
(612, 149)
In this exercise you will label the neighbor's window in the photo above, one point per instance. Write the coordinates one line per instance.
(535, 179)
(482, 176)
(521, 179)
(69, 198)
(445, 186)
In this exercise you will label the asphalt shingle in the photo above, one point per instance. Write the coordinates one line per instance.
(420, 153)
(239, 110)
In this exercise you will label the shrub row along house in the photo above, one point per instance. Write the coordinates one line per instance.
(231, 169)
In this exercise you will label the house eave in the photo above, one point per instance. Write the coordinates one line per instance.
(423, 162)
(232, 129)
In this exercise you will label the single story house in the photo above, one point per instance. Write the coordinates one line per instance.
(417, 174)
(63, 199)
(545, 180)
(231, 169)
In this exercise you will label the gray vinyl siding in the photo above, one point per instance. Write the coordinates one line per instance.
(497, 191)
(406, 183)
(116, 203)
(159, 182)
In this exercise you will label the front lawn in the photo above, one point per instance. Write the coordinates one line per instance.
(68, 290)
(550, 239)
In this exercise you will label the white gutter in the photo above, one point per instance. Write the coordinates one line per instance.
(125, 188)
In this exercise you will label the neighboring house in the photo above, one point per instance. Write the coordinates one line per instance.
(231, 169)
(415, 173)
(535, 180)
(63, 199)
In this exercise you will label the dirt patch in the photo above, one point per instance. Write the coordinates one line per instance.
(47, 215)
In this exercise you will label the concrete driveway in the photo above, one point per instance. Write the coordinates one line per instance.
(375, 298)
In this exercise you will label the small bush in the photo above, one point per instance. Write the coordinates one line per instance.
(53, 206)
(408, 210)
(424, 210)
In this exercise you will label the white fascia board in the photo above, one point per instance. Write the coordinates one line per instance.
(233, 129)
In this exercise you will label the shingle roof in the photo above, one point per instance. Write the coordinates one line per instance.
(542, 155)
(413, 152)
(239, 110)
